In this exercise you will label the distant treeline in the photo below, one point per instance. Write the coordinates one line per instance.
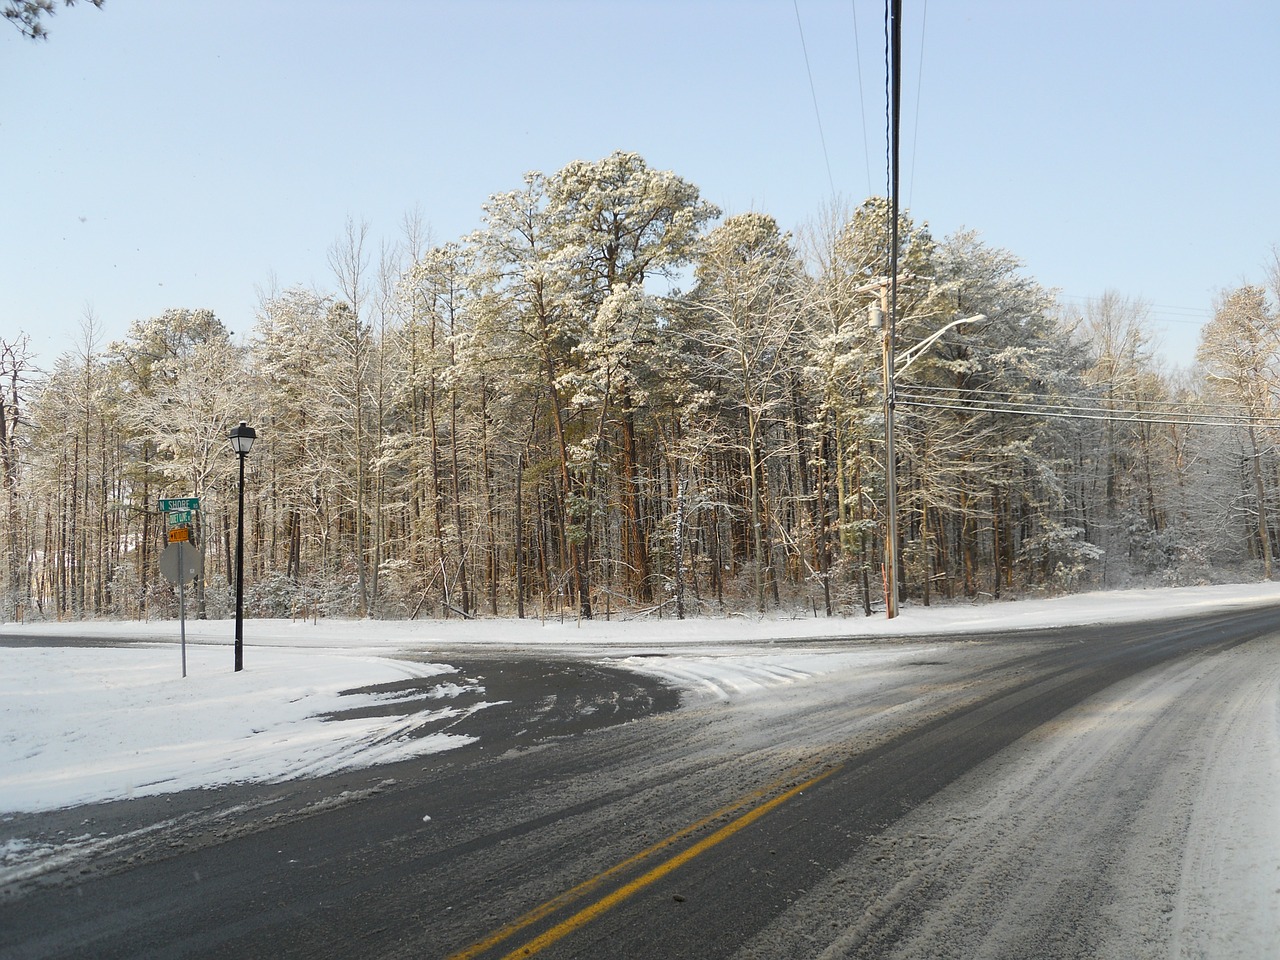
(610, 400)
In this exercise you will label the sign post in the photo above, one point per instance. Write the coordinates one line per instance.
(182, 610)
(180, 562)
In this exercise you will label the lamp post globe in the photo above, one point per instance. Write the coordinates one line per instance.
(242, 437)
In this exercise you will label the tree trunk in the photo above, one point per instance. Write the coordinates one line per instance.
(635, 549)
(1264, 529)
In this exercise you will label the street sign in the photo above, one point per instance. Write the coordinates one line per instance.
(179, 535)
(180, 503)
(180, 562)
(177, 517)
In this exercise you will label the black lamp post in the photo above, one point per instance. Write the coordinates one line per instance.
(242, 438)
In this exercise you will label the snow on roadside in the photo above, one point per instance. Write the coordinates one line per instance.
(379, 636)
(84, 724)
(80, 724)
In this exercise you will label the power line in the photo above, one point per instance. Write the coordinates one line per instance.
(862, 106)
(915, 130)
(1049, 410)
(1070, 415)
(814, 93)
(888, 100)
(1160, 311)
(963, 393)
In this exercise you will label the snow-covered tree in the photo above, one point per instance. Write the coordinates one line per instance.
(739, 331)
(15, 373)
(1240, 351)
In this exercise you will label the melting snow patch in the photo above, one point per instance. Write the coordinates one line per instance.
(741, 673)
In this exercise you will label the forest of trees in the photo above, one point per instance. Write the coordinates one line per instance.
(609, 400)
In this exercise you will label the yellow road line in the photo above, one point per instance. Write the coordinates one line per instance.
(585, 916)
(582, 889)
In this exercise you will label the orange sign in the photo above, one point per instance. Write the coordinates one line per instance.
(179, 535)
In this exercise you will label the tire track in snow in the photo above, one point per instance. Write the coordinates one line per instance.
(1139, 824)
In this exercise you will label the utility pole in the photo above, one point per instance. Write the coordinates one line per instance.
(890, 400)
(877, 322)
(895, 363)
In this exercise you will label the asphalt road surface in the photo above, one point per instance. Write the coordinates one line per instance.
(980, 800)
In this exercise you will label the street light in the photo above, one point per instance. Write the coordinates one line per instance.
(242, 438)
(893, 365)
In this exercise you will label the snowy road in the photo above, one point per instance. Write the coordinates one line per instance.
(1140, 824)
(1105, 791)
(1110, 794)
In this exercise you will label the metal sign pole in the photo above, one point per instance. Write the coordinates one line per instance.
(182, 608)
(178, 570)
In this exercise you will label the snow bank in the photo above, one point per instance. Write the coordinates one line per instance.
(103, 723)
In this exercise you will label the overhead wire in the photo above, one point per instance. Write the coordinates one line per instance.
(1069, 397)
(862, 105)
(888, 100)
(813, 92)
(1188, 413)
(1191, 413)
(1112, 417)
(915, 129)
(1081, 299)
(1130, 408)
(1158, 312)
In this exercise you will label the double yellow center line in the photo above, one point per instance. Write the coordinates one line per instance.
(755, 805)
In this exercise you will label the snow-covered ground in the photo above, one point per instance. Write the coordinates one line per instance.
(1147, 812)
(82, 723)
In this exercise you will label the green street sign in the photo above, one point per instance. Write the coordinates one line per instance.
(179, 517)
(180, 504)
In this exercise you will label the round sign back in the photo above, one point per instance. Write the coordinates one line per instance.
(180, 562)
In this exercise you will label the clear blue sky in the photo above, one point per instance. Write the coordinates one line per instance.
(182, 153)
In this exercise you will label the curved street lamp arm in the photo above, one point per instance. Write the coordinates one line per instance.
(911, 355)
